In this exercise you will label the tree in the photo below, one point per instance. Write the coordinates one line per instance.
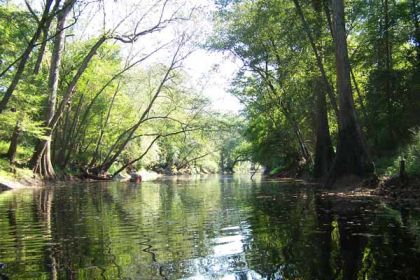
(352, 156)
(23, 59)
(324, 152)
(123, 140)
(42, 161)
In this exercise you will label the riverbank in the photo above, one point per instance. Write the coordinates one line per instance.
(392, 189)
(13, 177)
(24, 178)
(19, 182)
(400, 190)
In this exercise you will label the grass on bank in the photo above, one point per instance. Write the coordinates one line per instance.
(390, 166)
(12, 172)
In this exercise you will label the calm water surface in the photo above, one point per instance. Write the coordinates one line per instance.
(213, 228)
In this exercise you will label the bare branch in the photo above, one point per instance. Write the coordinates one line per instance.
(161, 24)
(31, 11)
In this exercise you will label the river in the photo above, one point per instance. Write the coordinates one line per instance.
(203, 228)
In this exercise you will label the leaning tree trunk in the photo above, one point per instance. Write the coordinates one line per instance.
(286, 112)
(328, 87)
(352, 157)
(112, 156)
(42, 147)
(42, 48)
(43, 165)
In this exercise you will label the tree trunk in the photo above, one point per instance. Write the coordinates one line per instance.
(359, 94)
(56, 61)
(304, 150)
(41, 148)
(41, 51)
(11, 153)
(388, 71)
(414, 17)
(286, 112)
(352, 156)
(96, 153)
(222, 161)
(42, 165)
(387, 43)
(324, 152)
(328, 88)
(111, 158)
(71, 140)
(353, 77)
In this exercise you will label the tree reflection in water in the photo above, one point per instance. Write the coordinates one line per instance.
(219, 228)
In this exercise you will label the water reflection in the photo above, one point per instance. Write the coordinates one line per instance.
(212, 228)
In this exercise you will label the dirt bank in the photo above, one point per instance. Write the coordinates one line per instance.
(400, 190)
(10, 183)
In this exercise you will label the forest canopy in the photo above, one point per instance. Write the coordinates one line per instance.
(326, 84)
(329, 88)
(99, 87)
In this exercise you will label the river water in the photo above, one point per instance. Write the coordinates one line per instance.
(203, 228)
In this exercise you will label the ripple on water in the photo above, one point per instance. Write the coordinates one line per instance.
(206, 229)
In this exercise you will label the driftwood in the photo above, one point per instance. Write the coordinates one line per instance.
(98, 177)
(95, 177)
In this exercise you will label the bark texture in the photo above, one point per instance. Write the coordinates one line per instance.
(41, 160)
(352, 157)
(329, 89)
(324, 152)
(43, 146)
(11, 153)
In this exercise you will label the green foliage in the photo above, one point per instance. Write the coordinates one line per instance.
(276, 82)
(112, 109)
(390, 166)
(16, 27)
